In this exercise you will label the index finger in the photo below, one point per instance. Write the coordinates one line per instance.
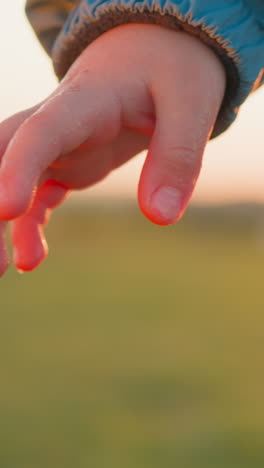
(81, 109)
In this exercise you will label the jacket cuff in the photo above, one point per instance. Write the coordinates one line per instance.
(230, 29)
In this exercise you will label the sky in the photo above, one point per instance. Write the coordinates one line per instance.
(233, 167)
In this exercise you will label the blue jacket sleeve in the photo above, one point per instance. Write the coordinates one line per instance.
(234, 29)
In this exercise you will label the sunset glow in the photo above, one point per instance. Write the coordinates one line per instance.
(233, 168)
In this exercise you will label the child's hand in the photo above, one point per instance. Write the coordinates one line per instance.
(137, 86)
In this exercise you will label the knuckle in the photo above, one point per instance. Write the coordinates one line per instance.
(38, 122)
(185, 152)
(183, 155)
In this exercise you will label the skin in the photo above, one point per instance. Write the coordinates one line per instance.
(160, 91)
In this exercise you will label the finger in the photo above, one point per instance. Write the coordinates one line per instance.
(85, 167)
(9, 126)
(4, 257)
(185, 118)
(30, 246)
(83, 108)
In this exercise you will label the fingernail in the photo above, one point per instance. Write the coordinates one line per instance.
(166, 204)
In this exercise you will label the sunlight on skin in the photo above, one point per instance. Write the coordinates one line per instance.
(28, 233)
(233, 167)
(173, 161)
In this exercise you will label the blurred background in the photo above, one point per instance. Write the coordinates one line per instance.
(135, 345)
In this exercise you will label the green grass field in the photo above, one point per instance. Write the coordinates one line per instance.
(135, 346)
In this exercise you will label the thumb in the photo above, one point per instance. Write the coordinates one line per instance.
(185, 117)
